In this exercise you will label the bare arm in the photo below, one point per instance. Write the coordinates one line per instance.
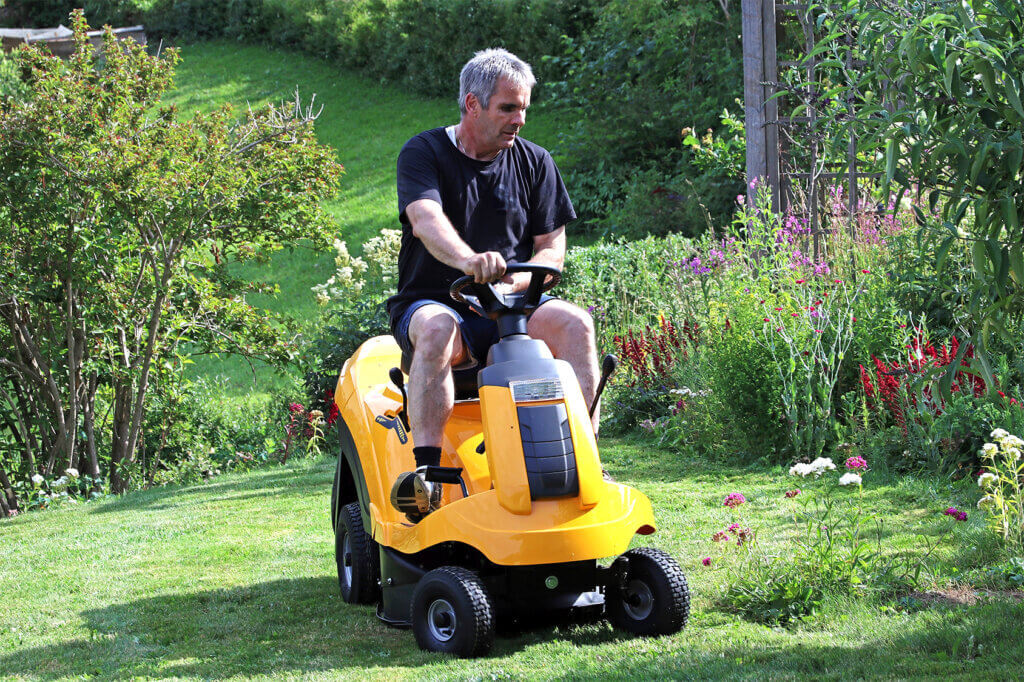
(431, 226)
(548, 249)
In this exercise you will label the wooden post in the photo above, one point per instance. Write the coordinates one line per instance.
(753, 92)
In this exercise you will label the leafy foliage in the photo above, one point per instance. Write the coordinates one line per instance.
(120, 220)
(939, 100)
(644, 72)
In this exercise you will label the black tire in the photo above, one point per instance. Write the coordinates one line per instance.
(655, 599)
(452, 613)
(358, 558)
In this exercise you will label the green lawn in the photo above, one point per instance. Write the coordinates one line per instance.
(365, 122)
(235, 578)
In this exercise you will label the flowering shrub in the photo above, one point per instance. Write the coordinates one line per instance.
(838, 550)
(1003, 483)
(891, 388)
(304, 427)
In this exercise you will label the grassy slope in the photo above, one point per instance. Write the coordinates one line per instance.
(236, 578)
(366, 124)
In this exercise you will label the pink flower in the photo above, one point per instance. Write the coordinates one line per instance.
(720, 536)
(295, 408)
(956, 514)
(706, 561)
(792, 493)
(866, 272)
(855, 463)
(734, 527)
(801, 281)
(733, 500)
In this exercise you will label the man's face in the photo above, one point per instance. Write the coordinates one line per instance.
(498, 124)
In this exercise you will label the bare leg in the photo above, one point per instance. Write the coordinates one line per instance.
(569, 332)
(435, 336)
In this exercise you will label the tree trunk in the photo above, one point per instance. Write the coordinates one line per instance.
(89, 423)
(120, 457)
(8, 501)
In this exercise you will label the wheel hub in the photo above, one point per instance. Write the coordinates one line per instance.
(441, 620)
(638, 600)
(346, 559)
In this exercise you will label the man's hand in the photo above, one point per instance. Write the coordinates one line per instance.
(488, 266)
(518, 282)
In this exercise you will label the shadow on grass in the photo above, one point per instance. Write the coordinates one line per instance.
(290, 626)
(258, 483)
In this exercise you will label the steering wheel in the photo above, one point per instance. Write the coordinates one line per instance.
(489, 302)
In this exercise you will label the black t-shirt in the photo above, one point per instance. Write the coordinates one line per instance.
(497, 205)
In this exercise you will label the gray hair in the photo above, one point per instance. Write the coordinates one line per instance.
(480, 75)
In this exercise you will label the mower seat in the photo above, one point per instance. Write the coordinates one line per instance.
(465, 379)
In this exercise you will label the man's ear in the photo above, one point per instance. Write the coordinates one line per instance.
(472, 104)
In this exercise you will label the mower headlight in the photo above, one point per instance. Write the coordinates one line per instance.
(533, 390)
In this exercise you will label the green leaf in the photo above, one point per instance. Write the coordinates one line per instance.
(943, 252)
(1010, 213)
(979, 161)
(1017, 264)
(1013, 95)
(890, 159)
(979, 256)
(948, 76)
(988, 80)
(946, 382)
(938, 50)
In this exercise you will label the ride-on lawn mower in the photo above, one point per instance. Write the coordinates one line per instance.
(525, 511)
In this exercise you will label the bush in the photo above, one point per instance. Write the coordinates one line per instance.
(644, 72)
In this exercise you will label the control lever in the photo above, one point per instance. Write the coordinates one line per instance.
(608, 366)
(398, 379)
(450, 475)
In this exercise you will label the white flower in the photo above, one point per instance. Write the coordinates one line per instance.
(821, 465)
(800, 469)
(71, 472)
(850, 479)
(999, 433)
(989, 449)
(1012, 441)
(987, 479)
(986, 502)
(37, 480)
(1013, 454)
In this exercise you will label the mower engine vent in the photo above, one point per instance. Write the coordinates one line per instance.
(534, 390)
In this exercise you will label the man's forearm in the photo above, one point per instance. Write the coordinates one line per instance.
(432, 227)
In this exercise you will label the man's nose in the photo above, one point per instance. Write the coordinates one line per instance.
(520, 118)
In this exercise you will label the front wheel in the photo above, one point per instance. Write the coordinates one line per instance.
(357, 556)
(452, 613)
(655, 597)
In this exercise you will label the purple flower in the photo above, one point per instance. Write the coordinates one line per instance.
(956, 513)
(733, 500)
(706, 561)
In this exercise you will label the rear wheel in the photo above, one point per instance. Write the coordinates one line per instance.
(655, 597)
(452, 613)
(357, 556)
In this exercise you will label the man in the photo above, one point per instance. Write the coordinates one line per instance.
(471, 198)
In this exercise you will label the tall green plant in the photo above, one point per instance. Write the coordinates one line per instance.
(936, 98)
(117, 222)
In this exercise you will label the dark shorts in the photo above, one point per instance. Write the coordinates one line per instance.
(478, 333)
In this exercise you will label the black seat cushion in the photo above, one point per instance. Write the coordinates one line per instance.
(465, 379)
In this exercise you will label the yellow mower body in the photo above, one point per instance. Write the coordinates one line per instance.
(497, 517)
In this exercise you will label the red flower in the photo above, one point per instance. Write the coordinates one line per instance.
(801, 281)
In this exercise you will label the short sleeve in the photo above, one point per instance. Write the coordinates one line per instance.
(551, 207)
(418, 174)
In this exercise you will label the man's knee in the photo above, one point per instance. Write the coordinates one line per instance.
(435, 333)
(565, 321)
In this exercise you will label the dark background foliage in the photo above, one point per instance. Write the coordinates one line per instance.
(633, 74)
